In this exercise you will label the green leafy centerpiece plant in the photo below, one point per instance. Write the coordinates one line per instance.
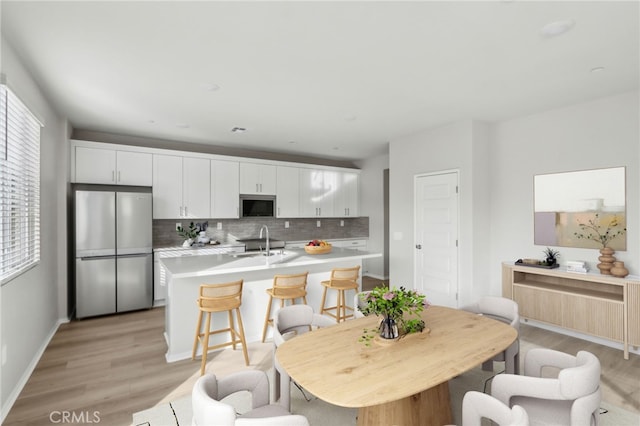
(399, 308)
(189, 234)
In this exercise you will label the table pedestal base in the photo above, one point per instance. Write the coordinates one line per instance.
(427, 408)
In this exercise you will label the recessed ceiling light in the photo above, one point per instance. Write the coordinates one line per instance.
(292, 142)
(210, 87)
(152, 121)
(350, 118)
(557, 28)
(238, 130)
(182, 125)
(597, 69)
(335, 148)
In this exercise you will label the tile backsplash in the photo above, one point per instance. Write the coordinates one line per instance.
(165, 235)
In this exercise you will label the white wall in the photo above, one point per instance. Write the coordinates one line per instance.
(459, 146)
(34, 303)
(597, 134)
(497, 163)
(372, 205)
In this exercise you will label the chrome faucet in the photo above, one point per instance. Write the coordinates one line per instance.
(268, 251)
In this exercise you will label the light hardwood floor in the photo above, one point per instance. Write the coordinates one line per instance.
(115, 366)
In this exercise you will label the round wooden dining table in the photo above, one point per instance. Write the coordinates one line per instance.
(400, 383)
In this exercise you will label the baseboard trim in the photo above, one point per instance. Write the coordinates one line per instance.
(578, 335)
(15, 393)
(378, 277)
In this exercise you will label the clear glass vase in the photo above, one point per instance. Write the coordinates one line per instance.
(389, 328)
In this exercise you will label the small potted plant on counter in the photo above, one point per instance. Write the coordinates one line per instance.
(189, 234)
(551, 256)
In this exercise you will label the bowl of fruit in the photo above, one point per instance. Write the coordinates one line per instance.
(317, 247)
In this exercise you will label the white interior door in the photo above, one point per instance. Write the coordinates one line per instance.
(436, 251)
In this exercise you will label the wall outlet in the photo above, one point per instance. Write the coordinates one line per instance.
(342, 223)
(219, 226)
(318, 224)
(286, 224)
(178, 225)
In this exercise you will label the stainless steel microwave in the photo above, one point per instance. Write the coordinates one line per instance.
(257, 205)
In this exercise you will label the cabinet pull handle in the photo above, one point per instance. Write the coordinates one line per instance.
(118, 176)
(257, 190)
(113, 175)
(180, 211)
(185, 212)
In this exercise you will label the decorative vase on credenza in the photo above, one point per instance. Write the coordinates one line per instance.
(606, 260)
(618, 269)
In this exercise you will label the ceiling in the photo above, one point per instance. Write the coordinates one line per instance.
(334, 80)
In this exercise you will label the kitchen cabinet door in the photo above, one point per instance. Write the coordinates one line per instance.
(167, 186)
(111, 167)
(134, 168)
(287, 194)
(196, 187)
(317, 188)
(346, 195)
(225, 189)
(94, 165)
(257, 179)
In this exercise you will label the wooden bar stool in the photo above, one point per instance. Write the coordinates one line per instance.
(285, 287)
(219, 298)
(342, 280)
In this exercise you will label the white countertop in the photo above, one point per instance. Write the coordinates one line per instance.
(215, 264)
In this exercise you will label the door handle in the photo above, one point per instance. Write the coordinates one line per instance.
(419, 246)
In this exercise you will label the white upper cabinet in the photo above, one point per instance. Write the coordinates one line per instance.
(225, 189)
(112, 167)
(287, 197)
(257, 179)
(167, 187)
(346, 199)
(196, 187)
(317, 192)
(181, 187)
(200, 186)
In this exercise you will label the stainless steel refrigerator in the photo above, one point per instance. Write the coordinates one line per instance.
(113, 250)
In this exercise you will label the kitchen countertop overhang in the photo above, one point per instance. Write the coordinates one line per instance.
(218, 264)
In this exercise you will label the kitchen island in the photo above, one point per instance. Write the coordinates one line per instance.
(186, 274)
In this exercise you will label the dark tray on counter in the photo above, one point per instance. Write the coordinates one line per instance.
(533, 265)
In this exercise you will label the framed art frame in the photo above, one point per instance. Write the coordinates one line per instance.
(571, 207)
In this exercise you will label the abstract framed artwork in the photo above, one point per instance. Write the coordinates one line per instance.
(581, 208)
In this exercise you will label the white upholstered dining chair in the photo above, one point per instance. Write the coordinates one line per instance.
(556, 388)
(505, 310)
(477, 406)
(288, 322)
(209, 410)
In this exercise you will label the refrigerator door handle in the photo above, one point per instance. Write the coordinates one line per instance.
(96, 257)
(134, 255)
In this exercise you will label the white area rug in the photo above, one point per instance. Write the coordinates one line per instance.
(320, 413)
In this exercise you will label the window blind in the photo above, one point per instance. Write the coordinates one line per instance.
(20, 186)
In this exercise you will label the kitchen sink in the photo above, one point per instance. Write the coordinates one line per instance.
(252, 244)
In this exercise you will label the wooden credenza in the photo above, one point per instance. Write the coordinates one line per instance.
(594, 304)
